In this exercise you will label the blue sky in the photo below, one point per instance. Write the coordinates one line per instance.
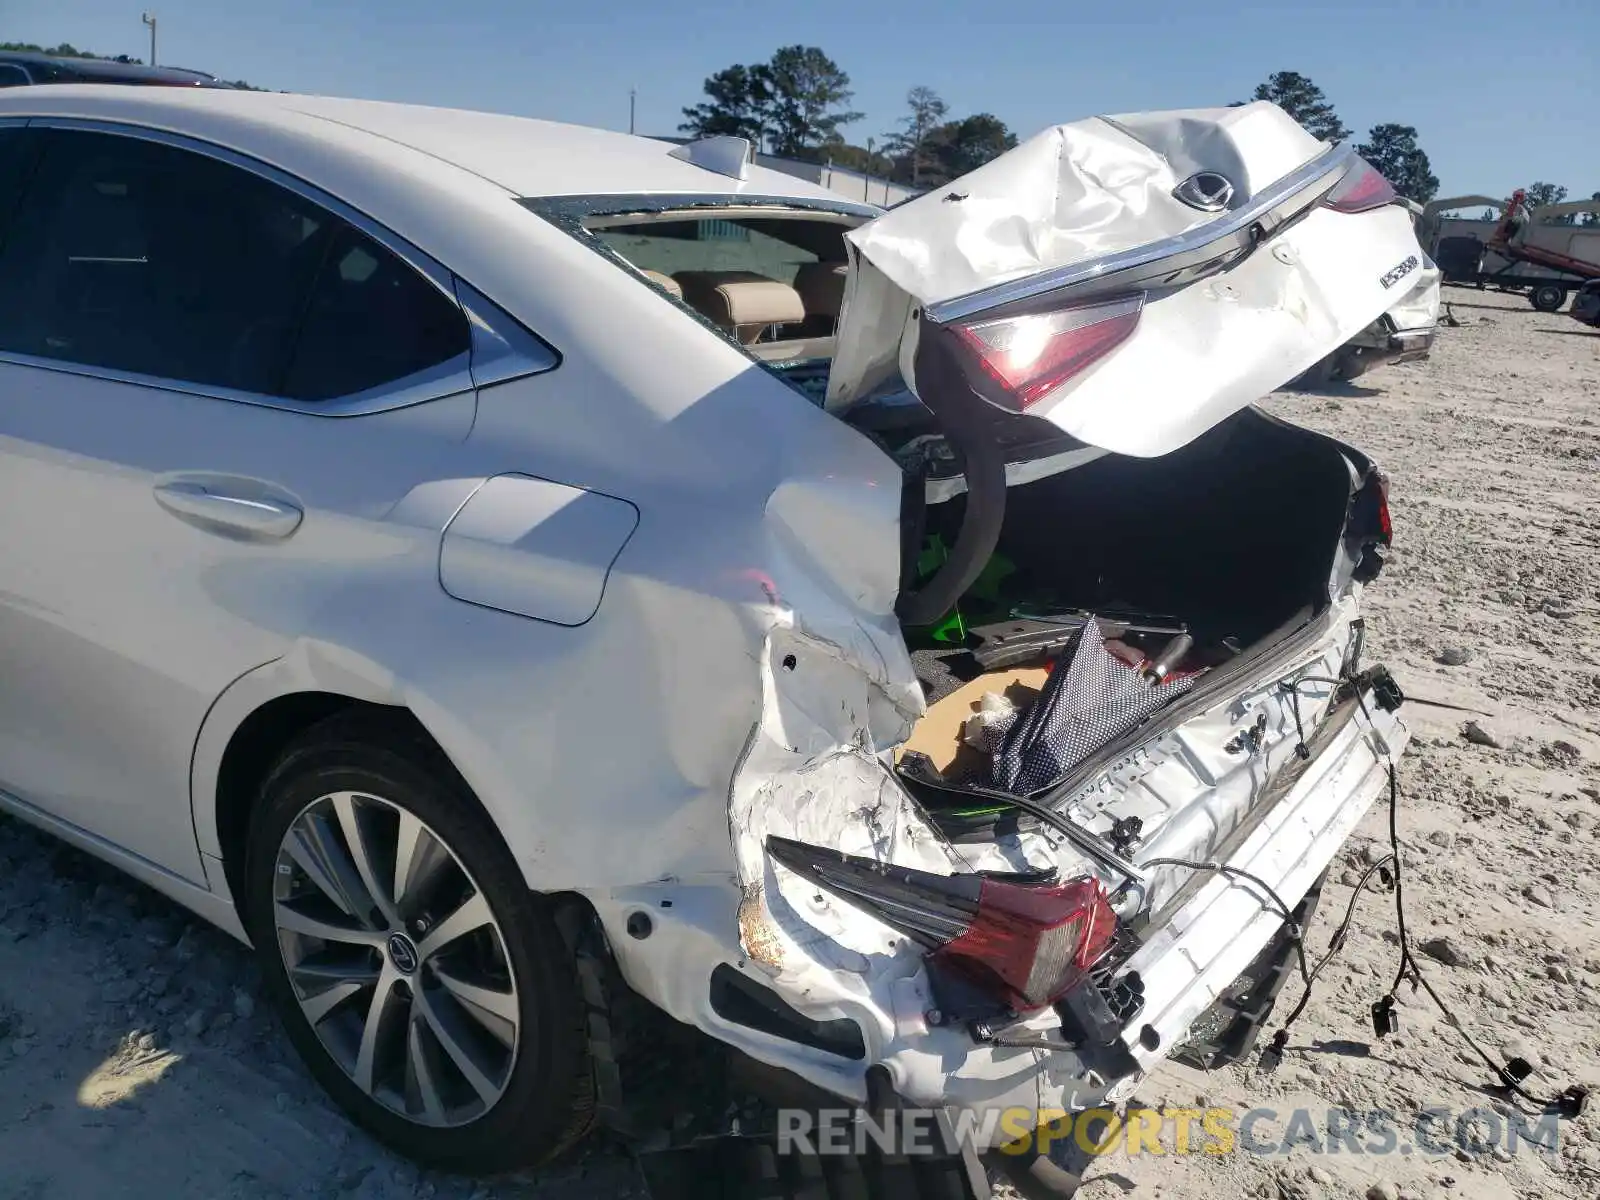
(1501, 94)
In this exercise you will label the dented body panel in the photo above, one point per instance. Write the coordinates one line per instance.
(1079, 207)
(645, 600)
(814, 776)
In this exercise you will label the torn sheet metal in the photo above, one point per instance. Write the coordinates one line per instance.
(1077, 195)
(1078, 192)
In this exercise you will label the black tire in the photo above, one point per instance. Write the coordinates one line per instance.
(1321, 374)
(548, 1100)
(1548, 297)
(1056, 1174)
(1350, 364)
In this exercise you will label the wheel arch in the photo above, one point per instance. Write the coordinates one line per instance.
(251, 724)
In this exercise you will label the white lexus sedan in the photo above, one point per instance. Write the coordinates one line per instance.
(530, 582)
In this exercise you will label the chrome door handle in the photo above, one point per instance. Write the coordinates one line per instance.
(220, 507)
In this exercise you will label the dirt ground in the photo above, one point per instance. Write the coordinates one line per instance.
(136, 1058)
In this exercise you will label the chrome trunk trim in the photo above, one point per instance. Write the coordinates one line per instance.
(1154, 264)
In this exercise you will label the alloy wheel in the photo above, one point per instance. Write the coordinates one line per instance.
(396, 959)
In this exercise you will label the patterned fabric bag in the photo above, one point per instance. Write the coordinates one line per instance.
(1089, 700)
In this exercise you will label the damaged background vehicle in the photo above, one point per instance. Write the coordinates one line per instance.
(541, 587)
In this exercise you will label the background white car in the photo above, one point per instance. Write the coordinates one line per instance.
(440, 551)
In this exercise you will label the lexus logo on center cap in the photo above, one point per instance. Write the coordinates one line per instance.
(403, 953)
(1205, 190)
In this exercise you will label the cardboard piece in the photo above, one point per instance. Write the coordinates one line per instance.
(938, 734)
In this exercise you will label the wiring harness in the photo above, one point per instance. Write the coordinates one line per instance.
(1570, 1103)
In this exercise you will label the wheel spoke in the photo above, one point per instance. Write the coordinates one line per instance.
(405, 853)
(495, 1011)
(318, 854)
(321, 969)
(418, 859)
(396, 959)
(298, 922)
(472, 914)
(458, 1051)
(324, 1002)
(420, 1084)
(366, 1058)
(344, 804)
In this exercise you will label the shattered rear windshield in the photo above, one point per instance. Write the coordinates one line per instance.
(767, 273)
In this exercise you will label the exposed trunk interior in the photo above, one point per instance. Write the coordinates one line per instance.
(1233, 534)
(1233, 538)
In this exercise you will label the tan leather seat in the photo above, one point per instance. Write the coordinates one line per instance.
(666, 283)
(821, 288)
(741, 301)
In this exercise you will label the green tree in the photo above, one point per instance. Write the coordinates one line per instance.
(1304, 101)
(1393, 150)
(1537, 195)
(740, 105)
(1541, 193)
(911, 142)
(809, 97)
(792, 105)
(64, 50)
(68, 50)
(965, 145)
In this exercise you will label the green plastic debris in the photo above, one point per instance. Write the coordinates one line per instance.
(985, 593)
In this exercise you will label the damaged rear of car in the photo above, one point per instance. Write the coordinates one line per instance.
(1003, 846)
(1405, 333)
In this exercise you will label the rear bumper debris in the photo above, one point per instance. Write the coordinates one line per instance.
(830, 963)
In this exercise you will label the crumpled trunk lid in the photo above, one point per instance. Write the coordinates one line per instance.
(1210, 224)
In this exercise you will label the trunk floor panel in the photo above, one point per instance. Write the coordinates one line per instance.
(943, 669)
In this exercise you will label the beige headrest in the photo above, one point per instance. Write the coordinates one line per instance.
(666, 283)
(741, 300)
(821, 288)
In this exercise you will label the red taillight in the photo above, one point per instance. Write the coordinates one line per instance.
(1361, 190)
(1385, 526)
(1032, 945)
(1030, 356)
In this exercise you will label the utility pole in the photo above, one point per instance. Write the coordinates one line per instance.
(633, 96)
(149, 18)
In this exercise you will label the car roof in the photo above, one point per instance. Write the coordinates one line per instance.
(108, 68)
(525, 156)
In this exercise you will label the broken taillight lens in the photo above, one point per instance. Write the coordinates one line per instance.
(1369, 517)
(1032, 945)
(1026, 358)
(1026, 941)
(1385, 525)
(1362, 189)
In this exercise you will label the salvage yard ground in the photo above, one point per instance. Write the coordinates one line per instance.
(137, 1060)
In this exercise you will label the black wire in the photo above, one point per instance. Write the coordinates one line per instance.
(1295, 932)
(1336, 943)
(1081, 838)
(1407, 959)
(1293, 690)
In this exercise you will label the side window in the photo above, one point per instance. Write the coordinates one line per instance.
(16, 155)
(371, 320)
(12, 75)
(142, 257)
